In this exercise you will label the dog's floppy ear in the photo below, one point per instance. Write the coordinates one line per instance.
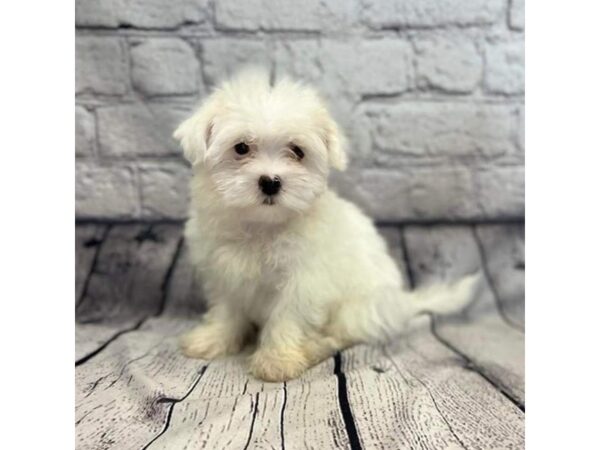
(335, 141)
(194, 133)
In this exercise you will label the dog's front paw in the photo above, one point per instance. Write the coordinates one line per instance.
(272, 365)
(208, 342)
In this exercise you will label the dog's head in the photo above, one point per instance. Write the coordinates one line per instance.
(267, 149)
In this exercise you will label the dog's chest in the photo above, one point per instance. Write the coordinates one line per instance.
(254, 272)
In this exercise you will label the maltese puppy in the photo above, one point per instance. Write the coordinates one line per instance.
(281, 257)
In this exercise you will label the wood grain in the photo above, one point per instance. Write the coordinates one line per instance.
(478, 415)
(221, 412)
(238, 411)
(91, 338)
(162, 402)
(130, 271)
(88, 239)
(184, 291)
(388, 411)
(503, 248)
(496, 349)
(414, 392)
(122, 395)
(128, 282)
(313, 418)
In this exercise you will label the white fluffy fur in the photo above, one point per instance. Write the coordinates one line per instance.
(309, 272)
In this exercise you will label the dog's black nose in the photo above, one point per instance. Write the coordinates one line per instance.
(268, 185)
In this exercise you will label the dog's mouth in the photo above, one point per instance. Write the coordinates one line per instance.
(269, 200)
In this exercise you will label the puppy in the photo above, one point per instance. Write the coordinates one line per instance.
(276, 250)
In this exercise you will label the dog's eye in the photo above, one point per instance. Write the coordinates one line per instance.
(298, 151)
(241, 148)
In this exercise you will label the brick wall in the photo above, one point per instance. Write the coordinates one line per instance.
(430, 93)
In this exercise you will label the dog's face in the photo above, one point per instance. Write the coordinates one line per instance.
(267, 149)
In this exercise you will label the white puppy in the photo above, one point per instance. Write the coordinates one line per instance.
(276, 250)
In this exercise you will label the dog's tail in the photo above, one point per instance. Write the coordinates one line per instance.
(389, 313)
(444, 298)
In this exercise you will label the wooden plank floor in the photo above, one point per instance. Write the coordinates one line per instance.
(448, 383)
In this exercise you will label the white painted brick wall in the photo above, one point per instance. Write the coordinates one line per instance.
(164, 189)
(449, 63)
(443, 131)
(432, 13)
(106, 191)
(144, 14)
(285, 15)
(164, 66)
(430, 93)
(504, 72)
(140, 129)
(85, 133)
(101, 66)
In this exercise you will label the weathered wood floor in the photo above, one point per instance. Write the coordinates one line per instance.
(449, 383)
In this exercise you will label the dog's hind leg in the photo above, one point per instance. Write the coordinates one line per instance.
(288, 356)
(291, 342)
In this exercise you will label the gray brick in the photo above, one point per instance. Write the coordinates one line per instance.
(101, 66)
(140, 13)
(85, 132)
(418, 193)
(356, 129)
(381, 66)
(419, 157)
(505, 67)
(223, 57)
(165, 190)
(439, 130)
(501, 192)
(310, 15)
(139, 129)
(105, 192)
(300, 59)
(348, 68)
(521, 132)
(431, 13)
(96, 13)
(449, 63)
(516, 18)
(436, 193)
(165, 66)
